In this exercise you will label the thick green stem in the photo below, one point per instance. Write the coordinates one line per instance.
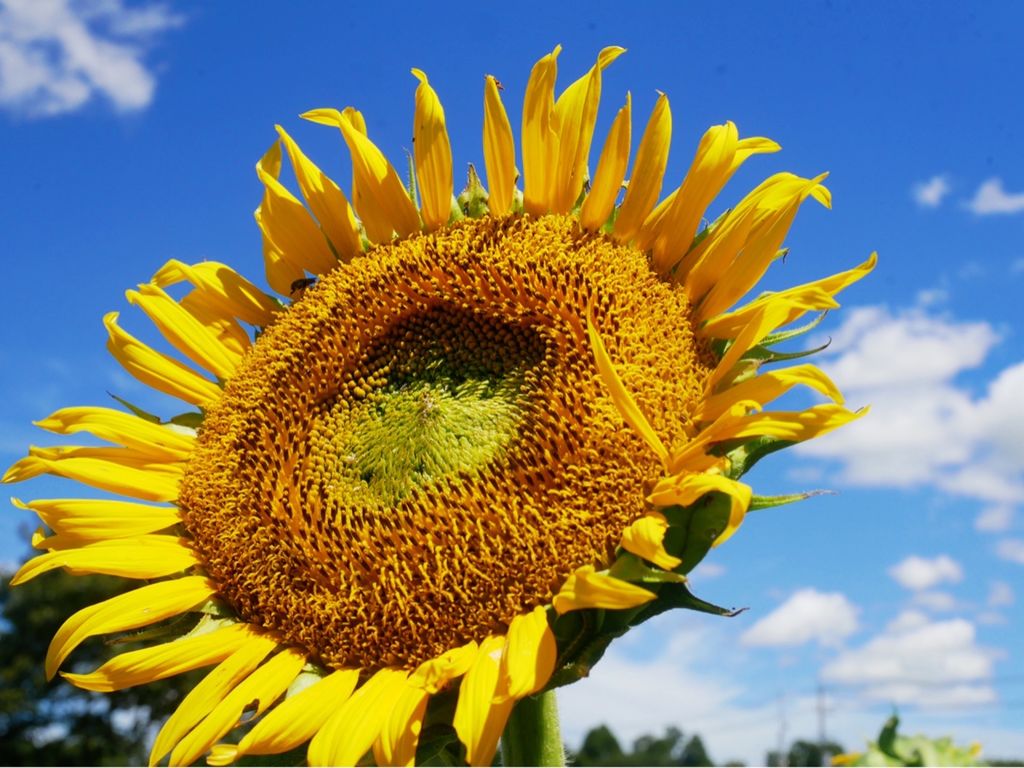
(531, 735)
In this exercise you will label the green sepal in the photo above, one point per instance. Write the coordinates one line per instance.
(744, 457)
(146, 415)
(439, 745)
(632, 568)
(692, 530)
(473, 199)
(765, 356)
(777, 338)
(410, 186)
(672, 596)
(767, 502)
(190, 419)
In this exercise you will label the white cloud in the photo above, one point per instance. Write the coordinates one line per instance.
(991, 198)
(1012, 550)
(824, 617)
(924, 428)
(1000, 594)
(919, 662)
(710, 570)
(57, 55)
(934, 600)
(920, 573)
(994, 519)
(930, 194)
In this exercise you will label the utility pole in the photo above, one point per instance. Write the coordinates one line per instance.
(781, 746)
(822, 708)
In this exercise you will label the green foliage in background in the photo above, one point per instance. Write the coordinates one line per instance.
(54, 723)
(894, 749)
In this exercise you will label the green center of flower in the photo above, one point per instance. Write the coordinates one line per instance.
(444, 397)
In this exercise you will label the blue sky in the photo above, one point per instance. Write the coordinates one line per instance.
(129, 134)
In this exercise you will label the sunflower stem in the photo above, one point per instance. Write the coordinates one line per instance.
(532, 735)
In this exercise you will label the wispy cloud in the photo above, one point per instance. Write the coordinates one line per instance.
(1012, 550)
(992, 198)
(994, 519)
(931, 193)
(57, 55)
(919, 573)
(808, 615)
(1000, 594)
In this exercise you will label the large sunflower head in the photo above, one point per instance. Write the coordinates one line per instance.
(471, 440)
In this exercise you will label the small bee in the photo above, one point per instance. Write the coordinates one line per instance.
(299, 286)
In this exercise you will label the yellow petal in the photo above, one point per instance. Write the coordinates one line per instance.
(775, 215)
(209, 692)
(235, 295)
(586, 588)
(185, 332)
(158, 662)
(381, 199)
(645, 537)
(687, 488)
(86, 520)
(540, 135)
(142, 557)
(648, 171)
(766, 387)
(290, 227)
(433, 156)
(628, 408)
(814, 296)
(499, 151)
(762, 322)
(483, 706)
(263, 687)
(796, 426)
(530, 653)
(719, 154)
(611, 171)
(397, 742)
(94, 467)
(225, 328)
(350, 732)
(138, 608)
(435, 674)
(693, 455)
(156, 370)
(281, 272)
(122, 428)
(296, 719)
(326, 200)
(575, 116)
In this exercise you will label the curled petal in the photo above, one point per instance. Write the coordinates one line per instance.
(586, 588)
(645, 537)
(687, 488)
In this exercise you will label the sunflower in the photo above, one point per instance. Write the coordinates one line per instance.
(470, 441)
